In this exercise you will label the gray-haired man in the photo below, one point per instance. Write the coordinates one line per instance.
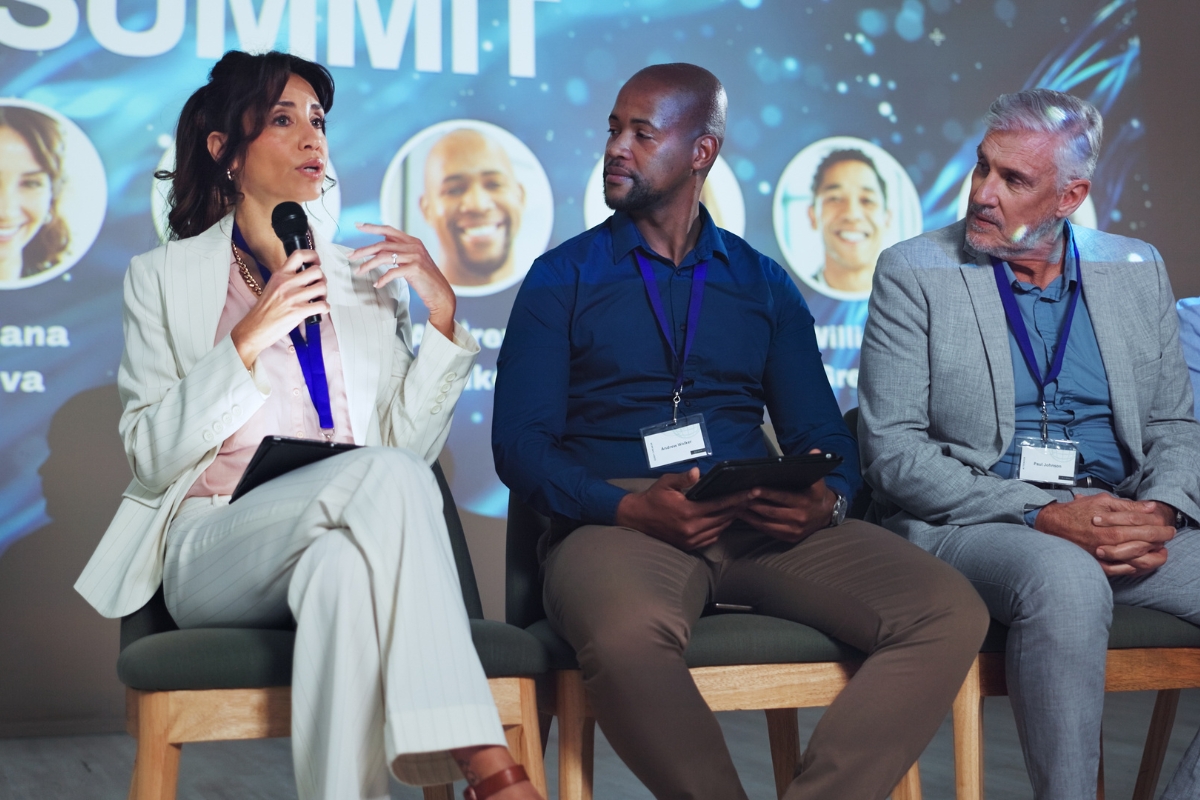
(1027, 417)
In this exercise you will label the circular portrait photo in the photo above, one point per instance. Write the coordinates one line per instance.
(477, 197)
(1084, 216)
(839, 203)
(721, 195)
(53, 194)
(322, 214)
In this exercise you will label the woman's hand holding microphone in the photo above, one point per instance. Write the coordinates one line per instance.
(294, 293)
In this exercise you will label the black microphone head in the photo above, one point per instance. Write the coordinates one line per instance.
(288, 220)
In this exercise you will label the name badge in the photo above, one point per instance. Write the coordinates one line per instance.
(1048, 462)
(672, 442)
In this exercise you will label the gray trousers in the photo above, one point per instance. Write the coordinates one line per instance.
(1058, 604)
(627, 601)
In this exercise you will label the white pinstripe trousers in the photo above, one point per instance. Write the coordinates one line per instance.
(355, 548)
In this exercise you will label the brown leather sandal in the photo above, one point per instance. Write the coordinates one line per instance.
(496, 782)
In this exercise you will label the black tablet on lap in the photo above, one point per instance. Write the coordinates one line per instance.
(279, 455)
(790, 473)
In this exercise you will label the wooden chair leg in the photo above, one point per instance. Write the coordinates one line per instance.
(784, 732)
(576, 738)
(909, 787)
(445, 792)
(524, 740)
(1156, 744)
(156, 766)
(967, 714)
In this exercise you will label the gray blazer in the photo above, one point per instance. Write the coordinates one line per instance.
(936, 387)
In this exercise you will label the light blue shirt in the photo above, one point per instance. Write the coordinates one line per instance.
(1078, 402)
(1189, 335)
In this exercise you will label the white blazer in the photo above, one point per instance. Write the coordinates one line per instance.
(182, 396)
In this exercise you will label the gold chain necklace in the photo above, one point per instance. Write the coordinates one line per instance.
(247, 276)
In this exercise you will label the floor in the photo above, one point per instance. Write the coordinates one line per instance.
(98, 767)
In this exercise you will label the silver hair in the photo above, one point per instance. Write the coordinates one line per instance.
(1076, 122)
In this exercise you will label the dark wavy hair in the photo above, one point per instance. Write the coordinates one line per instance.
(45, 141)
(241, 90)
(842, 156)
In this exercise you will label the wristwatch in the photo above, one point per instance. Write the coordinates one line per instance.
(839, 510)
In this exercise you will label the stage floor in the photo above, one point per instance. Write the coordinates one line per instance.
(98, 767)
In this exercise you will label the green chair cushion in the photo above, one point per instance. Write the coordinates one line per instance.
(729, 639)
(208, 658)
(248, 658)
(1132, 627)
(506, 650)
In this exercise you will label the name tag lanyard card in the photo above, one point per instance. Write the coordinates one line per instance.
(683, 438)
(1048, 461)
(308, 351)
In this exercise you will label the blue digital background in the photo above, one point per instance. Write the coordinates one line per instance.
(796, 71)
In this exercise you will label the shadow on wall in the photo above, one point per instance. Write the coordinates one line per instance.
(58, 659)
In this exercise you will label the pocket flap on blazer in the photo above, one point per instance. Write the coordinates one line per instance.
(141, 494)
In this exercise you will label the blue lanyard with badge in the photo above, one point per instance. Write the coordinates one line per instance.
(682, 438)
(1050, 460)
(308, 351)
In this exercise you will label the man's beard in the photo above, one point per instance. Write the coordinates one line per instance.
(640, 197)
(1025, 240)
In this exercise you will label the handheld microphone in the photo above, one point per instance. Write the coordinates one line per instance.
(290, 224)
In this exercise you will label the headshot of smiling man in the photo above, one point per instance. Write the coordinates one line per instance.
(33, 237)
(850, 209)
(474, 202)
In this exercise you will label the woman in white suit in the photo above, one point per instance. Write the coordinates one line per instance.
(353, 547)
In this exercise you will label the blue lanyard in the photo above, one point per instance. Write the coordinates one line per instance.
(308, 350)
(699, 275)
(1021, 333)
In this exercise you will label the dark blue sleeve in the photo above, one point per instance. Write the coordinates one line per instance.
(530, 413)
(802, 406)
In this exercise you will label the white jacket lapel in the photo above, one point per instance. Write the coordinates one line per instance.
(196, 286)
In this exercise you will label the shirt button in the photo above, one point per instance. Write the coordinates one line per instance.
(435, 410)
(451, 376)
(444, 388)
(295, 392)
(227, 418)
(300, 433)
(237, 411)
(218, 427)
(291, 348)
(208, 436)
(440, 398)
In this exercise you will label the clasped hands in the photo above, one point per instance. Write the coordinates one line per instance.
(1127, 537)
(664, 512)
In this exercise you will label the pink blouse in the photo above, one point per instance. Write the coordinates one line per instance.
(288, 410)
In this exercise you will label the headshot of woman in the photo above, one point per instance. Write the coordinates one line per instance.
(33, 237)
(229, 340)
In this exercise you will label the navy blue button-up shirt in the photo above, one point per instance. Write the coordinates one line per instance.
(584, 368)
(1078, 402)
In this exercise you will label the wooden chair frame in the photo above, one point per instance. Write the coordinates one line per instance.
(777, 689)
(1166, 670)
(162, 722)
